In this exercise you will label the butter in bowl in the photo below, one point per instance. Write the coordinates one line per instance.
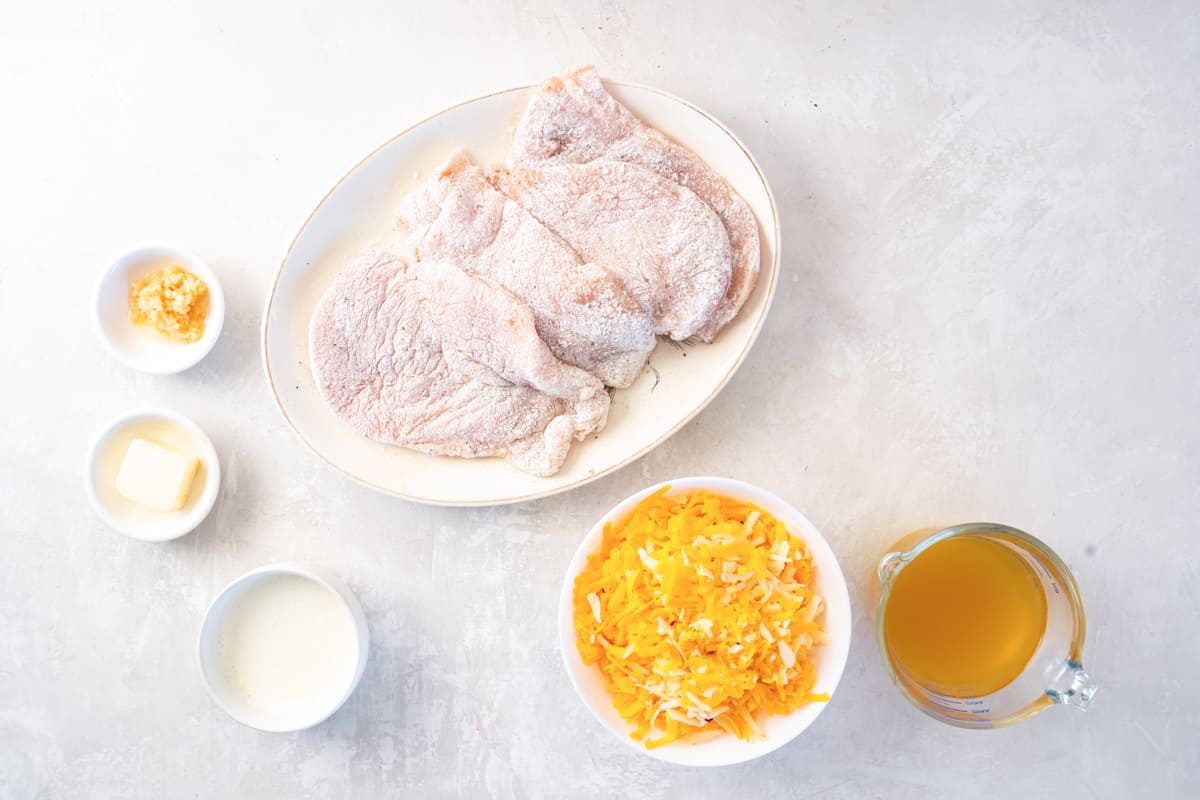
(152, 474)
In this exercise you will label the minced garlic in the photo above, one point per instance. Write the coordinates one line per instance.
(173, 301)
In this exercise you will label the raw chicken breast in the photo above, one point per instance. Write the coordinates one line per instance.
(667, 246)
(431, 358)
(573, 119)
(582, 311)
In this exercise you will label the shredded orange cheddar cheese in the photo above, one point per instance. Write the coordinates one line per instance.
(698, 610)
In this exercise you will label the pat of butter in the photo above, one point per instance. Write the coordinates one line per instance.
(156, 477)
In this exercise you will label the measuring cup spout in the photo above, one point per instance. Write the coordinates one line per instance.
(1073, 686)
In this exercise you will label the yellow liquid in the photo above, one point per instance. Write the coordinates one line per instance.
(964, 617)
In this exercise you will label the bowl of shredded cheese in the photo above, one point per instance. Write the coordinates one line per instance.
(705, 621)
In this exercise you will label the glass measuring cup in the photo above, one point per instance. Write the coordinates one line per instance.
(1054, 674)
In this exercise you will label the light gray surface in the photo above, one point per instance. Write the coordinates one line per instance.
(988, 309)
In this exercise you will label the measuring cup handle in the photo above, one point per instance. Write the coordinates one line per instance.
(1072, 686)
(888, 566)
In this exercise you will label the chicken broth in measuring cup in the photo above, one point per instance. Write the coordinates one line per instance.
(965, 617)
(981, 626)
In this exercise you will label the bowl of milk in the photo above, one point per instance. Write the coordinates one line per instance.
(283, 647)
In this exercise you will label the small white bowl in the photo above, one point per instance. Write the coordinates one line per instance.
(104, 461)
(138, 346)
(233, 702)
(778, 730)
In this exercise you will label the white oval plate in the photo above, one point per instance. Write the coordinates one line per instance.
(360, 210)
(830, 584)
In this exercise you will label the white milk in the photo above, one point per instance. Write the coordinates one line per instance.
(287, 646)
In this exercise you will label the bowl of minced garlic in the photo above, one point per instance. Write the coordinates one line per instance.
(172, 301)
(158, 309)
(705, 621)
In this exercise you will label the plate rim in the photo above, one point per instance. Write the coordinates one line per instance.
(629, 459)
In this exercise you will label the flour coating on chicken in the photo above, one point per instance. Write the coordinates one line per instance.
(581, 309)
(573, 119)
(431, 358)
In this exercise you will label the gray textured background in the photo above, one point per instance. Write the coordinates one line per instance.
(988, 309)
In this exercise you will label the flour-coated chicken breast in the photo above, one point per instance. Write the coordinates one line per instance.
(667, 246)
(429, 357)
(581, 309)
(573, 120)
